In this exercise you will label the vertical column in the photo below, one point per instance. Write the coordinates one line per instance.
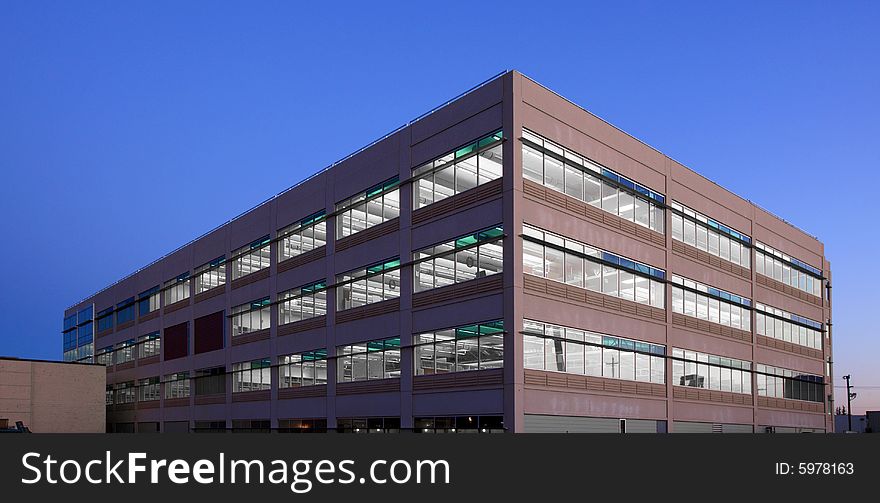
(274, 253)
(407, 363)
(330, 274)
(752, 281)
(827, 345)
(513, 270)
(667, 293)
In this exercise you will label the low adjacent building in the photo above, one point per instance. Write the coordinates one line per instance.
(52, 397)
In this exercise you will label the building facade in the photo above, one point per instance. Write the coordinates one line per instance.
(506, 262)
(52, 397)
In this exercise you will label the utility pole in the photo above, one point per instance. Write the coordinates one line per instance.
(849, 398)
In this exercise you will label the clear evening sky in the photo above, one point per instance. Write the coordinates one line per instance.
(129, 128)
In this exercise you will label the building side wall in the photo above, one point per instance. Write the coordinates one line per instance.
(53, 397)
(465, 120)
(556, 119)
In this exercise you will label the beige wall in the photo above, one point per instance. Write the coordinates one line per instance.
(53, 397)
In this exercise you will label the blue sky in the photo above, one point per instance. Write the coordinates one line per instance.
(128, 128)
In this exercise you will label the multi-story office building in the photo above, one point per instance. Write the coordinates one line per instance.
(506, 262)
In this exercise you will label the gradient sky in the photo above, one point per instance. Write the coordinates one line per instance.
(129, 128)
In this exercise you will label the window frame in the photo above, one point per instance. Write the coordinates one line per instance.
(593, 346)
(610, 183)
(609, 265)
(315, 289)
(426, 342)
(471, 150)
(149, 301)
(261, 367)
(216, 267)
(178, 289)
(258, 305)
(363, 199)
(285, 234)
(347, 354)
(260, 248)
(343, 285)
(474, 245)
(286, 366)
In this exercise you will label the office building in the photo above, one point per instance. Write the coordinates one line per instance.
(505, 262)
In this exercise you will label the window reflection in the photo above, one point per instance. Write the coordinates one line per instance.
(560, 169)
(557, 258)
(565, 349)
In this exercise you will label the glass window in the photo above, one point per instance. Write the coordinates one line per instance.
(592, 190)
(574, 270)
(580, 265)
(642, 212)
(627, 285)
(125, 392)
(715, 305)
(125, 351)
(149, 389)
(703, 239)
(533, 258)
(465, 174)
(378, 204)
(574, 182)
(210, 381)
(658, 294)
(533, 164)
(609, 280)
(149, 345)
(724, 247)
(105, 321)
(251, 258)
(627, 364)
(177, 385)
(148, 302)
(793, 385)
(250, 317)
(554, 262)
(308, 301)
(593, 275)
(735, 252)
(677, 227)
(789, 270)
(589, 182)
(177, 289)
(690, 232)
(251, 376)
(565, 349)
(465, 258)
(778, 324)
(303, 236)
(125, 311)
(553, 177)
(463, 169)
(365, 286)
(379, 359)
(303, 369)
(626, 208)
(490, 163)
(211, 275)
(609, 198)
(658, 219)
